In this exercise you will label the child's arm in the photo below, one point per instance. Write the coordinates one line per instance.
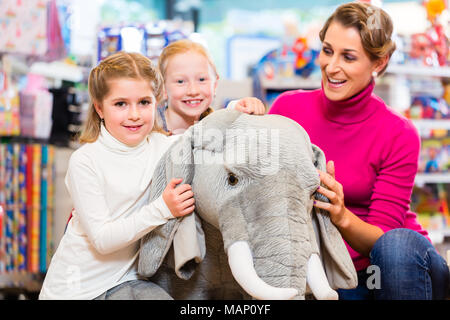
(248, 105)
(108, 235)
(179, 198)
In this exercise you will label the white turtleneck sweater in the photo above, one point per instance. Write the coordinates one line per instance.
(109, 184)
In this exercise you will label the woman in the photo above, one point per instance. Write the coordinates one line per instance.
(375, 152)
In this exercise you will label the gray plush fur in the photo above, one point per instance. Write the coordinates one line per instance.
(270, 207)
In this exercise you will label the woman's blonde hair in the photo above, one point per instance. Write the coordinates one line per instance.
(119, 65)
(183, 46)
(373, 24)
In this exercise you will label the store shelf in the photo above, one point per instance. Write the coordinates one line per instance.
(438, 236)
(422, 178)
(431, 124)
(290, 83)
(28, 281)
(58, 70)
(412, 70)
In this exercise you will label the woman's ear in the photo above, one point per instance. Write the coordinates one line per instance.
(381, 63)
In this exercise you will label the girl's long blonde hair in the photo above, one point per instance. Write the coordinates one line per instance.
(183, 46)
(119, 65)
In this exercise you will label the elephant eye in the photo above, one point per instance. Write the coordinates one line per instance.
(232, 179)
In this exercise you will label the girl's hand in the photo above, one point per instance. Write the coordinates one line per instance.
(250, 105)
(334, 193)
(179, 198)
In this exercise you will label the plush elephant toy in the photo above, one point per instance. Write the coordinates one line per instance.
(255, 232)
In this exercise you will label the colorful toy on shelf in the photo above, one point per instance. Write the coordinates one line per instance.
(446, 95)
(436, 32)
(431, 46)
(434, 155)
(434, 8)
(305, 61)
(108, 42)
(269, 70)
(428, 107)
(155, 40)
(9, 107)
(285, 62)
(300, 46)
(147, 39)
(267, 65)
(422, 50)
(311, 65)
(36, 106)
(442, 194)
(432, 165)
(431, 204)
(400, 54)
(440, 43)
(289, 61)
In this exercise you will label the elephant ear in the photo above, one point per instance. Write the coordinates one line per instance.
(185, 233)
(337, 262)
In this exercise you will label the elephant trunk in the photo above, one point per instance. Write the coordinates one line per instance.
(278, 237)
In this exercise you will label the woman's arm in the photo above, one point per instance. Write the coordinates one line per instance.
(390, 198)
(360, 235)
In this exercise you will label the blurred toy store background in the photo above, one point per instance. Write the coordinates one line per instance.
(261, 48)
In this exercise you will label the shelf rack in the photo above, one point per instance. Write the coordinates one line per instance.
(431, 124)
(290, 83)
(422, 178)
(425, 124)
(412, 70)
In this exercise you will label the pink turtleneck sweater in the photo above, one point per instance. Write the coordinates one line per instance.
(374, 149)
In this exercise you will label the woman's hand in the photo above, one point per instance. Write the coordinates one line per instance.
(179, 198)
(335, 193)
(360, 235)
(250, 105)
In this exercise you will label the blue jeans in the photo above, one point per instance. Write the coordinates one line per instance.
(408, 267)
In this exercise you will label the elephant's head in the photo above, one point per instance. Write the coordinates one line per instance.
(254, 178)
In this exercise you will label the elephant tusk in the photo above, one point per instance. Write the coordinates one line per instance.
(241, 264)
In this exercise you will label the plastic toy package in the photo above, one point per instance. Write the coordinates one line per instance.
(286, 61)
(431, 203)
(148, 39)
(428, 107)
(429, 48)
(435, 155)
(9, 107)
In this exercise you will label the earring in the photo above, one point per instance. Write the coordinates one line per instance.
(374, 74)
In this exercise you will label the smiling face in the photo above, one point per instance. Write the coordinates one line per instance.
(128, 110)
(346, 67)
(190, 84)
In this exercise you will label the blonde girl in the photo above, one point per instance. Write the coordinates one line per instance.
(108, 179)
(190, 84)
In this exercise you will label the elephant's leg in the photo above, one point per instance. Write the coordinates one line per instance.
(317, 280)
